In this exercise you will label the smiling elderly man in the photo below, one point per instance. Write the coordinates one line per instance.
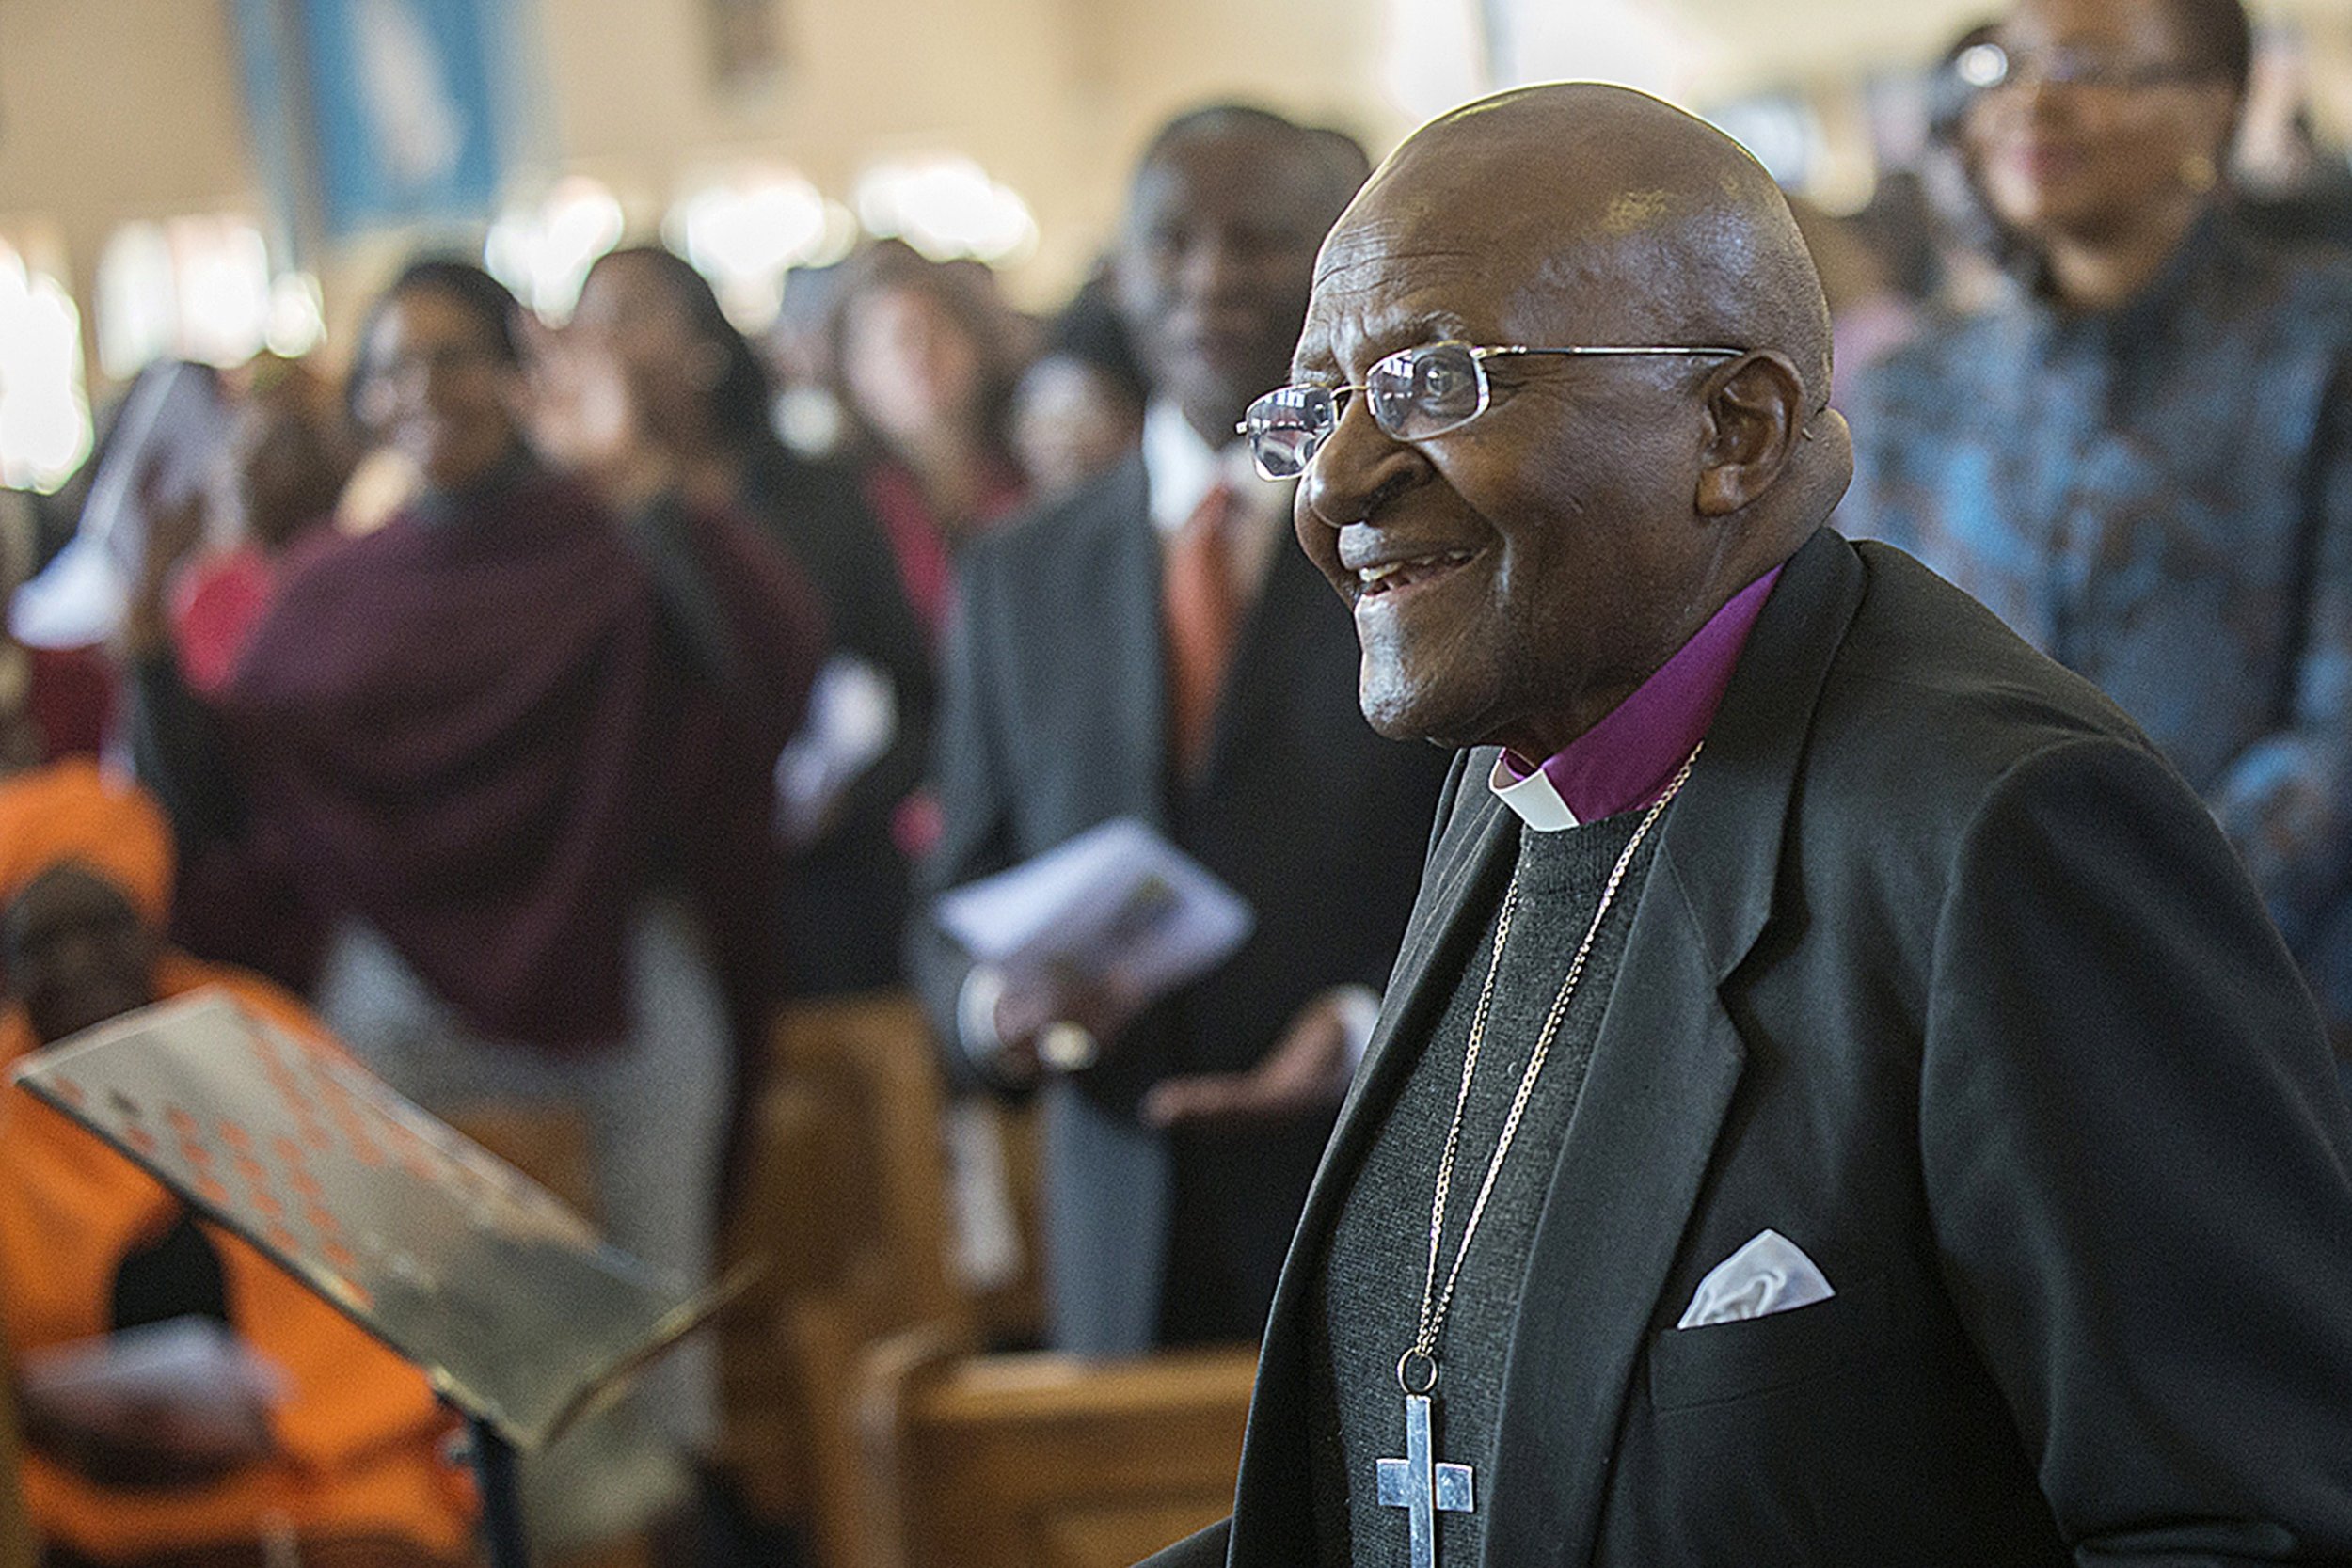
(1840, 1100)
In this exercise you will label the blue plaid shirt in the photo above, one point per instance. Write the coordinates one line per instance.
(2160, 498)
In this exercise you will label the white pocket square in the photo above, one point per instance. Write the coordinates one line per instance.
(1770, 1273)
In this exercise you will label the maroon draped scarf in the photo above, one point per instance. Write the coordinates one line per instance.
(473, 731)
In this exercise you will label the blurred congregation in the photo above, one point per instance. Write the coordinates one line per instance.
(559, 649)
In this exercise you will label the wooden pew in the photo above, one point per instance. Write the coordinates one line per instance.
(764, 1442)
(845, 1201)
(1044, 1461)
(854, 1399)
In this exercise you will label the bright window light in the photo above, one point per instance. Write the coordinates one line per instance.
(544, 252)
(44, 415)
(948, 208)
(224, 290)
(747, 230)
(297, 316)
(139, 300)
(191, 288)
(1435, 55)
(1635, 42)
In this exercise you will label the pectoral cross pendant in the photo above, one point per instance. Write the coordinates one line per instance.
(1421, 1486)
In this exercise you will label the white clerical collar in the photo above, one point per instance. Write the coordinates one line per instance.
(1535, 798)
(1180, 469)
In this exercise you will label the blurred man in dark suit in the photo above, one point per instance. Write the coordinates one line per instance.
(1149, 647)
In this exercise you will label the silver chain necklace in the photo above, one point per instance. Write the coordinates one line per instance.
(1418, 1482)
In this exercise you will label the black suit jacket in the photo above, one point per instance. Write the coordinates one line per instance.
(1944, 974)
(1054, 720)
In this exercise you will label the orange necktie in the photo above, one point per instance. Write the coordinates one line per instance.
(1202, 612)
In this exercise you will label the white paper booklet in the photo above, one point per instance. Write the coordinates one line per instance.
(167, 440)
(1118, 906)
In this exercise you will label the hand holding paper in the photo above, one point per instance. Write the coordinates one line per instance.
(1095, 930)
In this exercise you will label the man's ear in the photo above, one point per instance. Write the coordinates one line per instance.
(1756, 417)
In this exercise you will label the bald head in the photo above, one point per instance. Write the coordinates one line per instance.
(1518, 568)
(1650, 224)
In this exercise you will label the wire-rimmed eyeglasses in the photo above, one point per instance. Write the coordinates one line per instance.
(1991, 67)
(1413, 394)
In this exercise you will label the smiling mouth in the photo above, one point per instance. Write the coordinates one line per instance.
(1390, 576)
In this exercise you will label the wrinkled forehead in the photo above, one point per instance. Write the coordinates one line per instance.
(1400, 271)
(1380, 286)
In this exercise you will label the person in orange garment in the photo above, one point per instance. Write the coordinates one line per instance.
(349, 1468)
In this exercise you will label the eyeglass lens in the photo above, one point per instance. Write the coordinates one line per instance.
(1425, 392)
(1412, 395)
(1989, 66)
(1284, 428)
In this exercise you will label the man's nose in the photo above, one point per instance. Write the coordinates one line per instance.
(1211, 268)
(1358, 471)
(2040, 102)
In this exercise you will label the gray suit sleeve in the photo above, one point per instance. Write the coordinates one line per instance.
(972, 777)
(2138, 1170)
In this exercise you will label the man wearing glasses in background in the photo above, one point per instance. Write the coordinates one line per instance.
(1840, 1100)
(1151, 648)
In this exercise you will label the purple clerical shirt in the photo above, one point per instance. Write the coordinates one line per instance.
(1627, 759)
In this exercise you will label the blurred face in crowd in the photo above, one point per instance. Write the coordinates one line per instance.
(76, 953)
(2105, 112)
(1071, 422)
(909, 364)
(1215, 265)
(1514, 577)
(438, 388)
(285, 467)
(629, 316)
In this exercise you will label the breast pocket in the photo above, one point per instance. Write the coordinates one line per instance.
(1709, 1365)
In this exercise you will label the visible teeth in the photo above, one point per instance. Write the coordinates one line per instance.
(1372, 578)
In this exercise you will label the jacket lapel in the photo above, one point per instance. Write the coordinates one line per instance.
(1117, 658)
(1474, 856)
(1663, 1072)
